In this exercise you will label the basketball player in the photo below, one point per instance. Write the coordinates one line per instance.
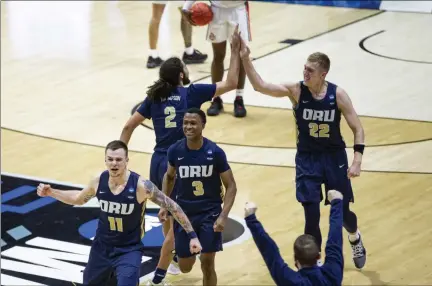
(122, 196)
(197, 165)
(306, 251)
(321, 156)
(166, 103)
(226, 15)
(190, 55)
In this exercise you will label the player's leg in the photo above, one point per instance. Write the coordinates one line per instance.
(309, 177)
(211, 243)
(217, 34)
(98, 269)
(190, 55)
(127, 267)
(186, 259)
(157, 10)
(337, 179)
(241, 17)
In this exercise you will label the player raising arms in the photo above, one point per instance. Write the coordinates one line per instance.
(166, 103)
(122, 194)
(321, 157)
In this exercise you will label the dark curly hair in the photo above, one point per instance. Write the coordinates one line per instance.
(169, 79)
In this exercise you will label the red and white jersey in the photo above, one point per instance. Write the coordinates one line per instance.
(228, 4)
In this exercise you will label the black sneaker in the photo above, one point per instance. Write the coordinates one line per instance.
(196, 58)
(153, 62)
(239, 108)
(358, 253)
(216, 107)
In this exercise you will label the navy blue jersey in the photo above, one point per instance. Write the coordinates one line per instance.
(318, 121)
(121, 220)
(199, 186)
(167, 116)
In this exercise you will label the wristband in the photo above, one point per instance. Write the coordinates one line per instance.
(192, 235)
(359, 148)
(187, 5)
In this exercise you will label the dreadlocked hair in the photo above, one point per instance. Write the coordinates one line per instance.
(169, 79)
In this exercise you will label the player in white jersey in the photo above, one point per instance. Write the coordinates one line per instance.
(226, 16)
(190, 55)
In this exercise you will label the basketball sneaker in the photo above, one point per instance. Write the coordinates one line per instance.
(358, 253)
(163, 283)
(216, 107)
(196, 58)
(239, 108)
(153, 62)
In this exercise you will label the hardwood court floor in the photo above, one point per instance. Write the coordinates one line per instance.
(67, 93)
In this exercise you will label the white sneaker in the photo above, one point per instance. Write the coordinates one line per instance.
(173, 269)
(163, 283)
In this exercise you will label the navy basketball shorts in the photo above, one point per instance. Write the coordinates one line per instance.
(315, 169)
(202, 223)
(158, 168)
(107, 261)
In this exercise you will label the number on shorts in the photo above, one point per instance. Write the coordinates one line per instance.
(319, 130)
(171, 113)
(116, 223)
(199, 188)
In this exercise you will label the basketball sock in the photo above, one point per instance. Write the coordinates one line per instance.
(175, 259)
(159, 276)
(154, 54)
(353, 237)
(239, 92)
(189, 50)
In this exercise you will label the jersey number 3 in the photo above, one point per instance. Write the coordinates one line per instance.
(170, 112)
(319, 130)
(199, 188)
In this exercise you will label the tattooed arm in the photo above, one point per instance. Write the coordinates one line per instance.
(147, 190)
(70, 197)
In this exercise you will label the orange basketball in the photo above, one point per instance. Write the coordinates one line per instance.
(201, 14)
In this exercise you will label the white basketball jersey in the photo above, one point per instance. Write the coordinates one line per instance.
(228, 4)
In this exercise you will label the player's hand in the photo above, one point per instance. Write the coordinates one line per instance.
(250, 208)
(195, 246)
(354, 170)
(333, 194)
(244, 49)
(219, 225)
(235, 40)
(44, 190)
(163, 214)
(187, 14)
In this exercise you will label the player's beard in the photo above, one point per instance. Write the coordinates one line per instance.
(186, 80)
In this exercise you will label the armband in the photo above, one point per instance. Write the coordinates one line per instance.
(192, 235)
(359, 148)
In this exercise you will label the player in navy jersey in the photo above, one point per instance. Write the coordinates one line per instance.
(122, 194)
(166, 103)
(199, 168)
(321, 156)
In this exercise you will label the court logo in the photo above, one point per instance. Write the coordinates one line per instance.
(44, 241)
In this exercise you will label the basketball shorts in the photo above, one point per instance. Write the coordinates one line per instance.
(158, 168)
(315, 169)
(202, 223)
(224, 22)
(106, 262)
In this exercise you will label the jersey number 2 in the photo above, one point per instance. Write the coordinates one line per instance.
(199, 188)
(319, 130)
(116, 223)
(170, 112)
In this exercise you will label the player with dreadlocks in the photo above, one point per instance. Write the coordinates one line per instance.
(166, 103)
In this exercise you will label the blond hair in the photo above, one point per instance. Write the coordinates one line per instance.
(322, 60)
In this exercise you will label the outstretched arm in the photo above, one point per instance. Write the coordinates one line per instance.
(70, 197)
(279, 270)
(151, 192)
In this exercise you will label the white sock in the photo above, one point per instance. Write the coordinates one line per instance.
(154, 54)
(354, 236)
(189, 50)
(239, 92)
